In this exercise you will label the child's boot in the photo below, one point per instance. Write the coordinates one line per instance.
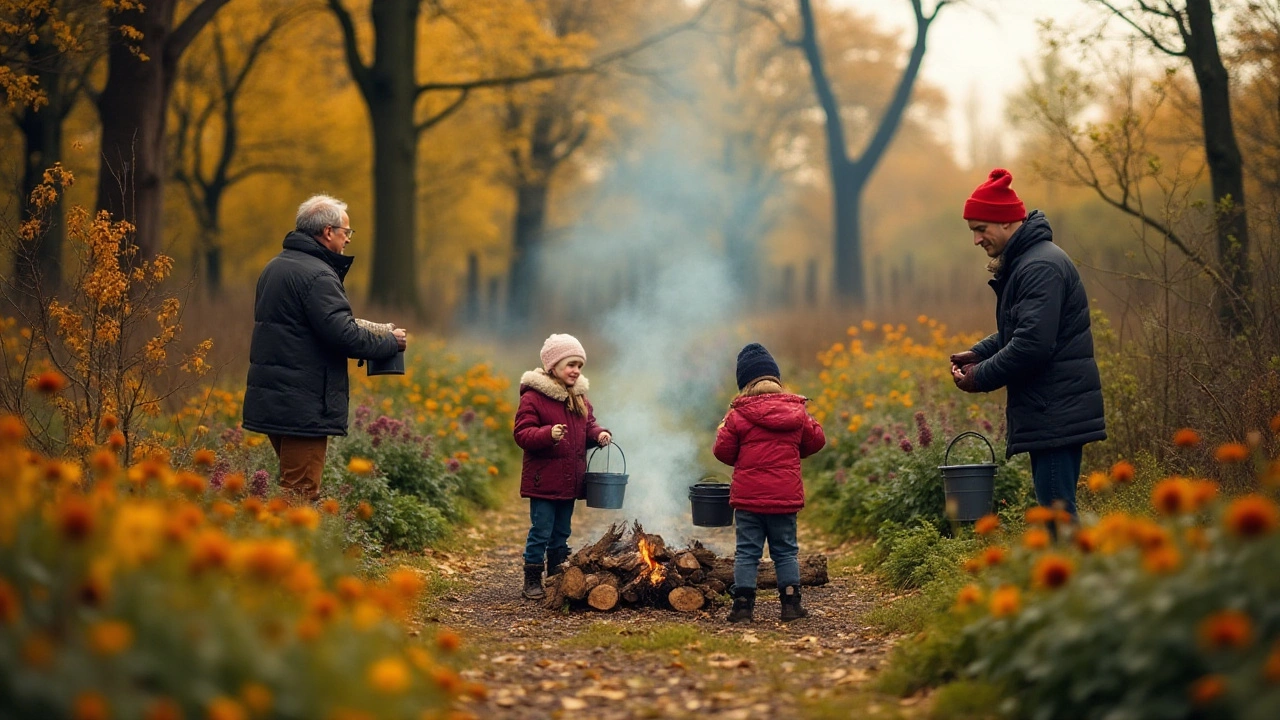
(555, 561)
(791, 608)
(533, 581)
(744, 605)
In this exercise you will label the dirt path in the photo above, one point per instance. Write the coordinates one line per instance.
(650, 663)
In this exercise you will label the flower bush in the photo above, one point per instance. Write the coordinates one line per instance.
(146, 591)
(1169, 614)
(889, 409)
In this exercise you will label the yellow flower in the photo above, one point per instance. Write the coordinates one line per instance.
(304, 517)
(330, 506)
(389, 675)
(360, 466)
(1098, 482)
(137, 531)
(969, 595)
(110, 637)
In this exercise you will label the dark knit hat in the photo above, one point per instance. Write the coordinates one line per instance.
(755, 362)
(994, 201)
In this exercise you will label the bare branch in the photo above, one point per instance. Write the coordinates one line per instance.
(191, 25)
(1144, 32)
(441, 116)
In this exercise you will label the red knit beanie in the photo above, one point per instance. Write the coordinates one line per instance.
(995, 201)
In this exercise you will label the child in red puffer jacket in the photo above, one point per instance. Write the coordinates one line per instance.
(764, 436)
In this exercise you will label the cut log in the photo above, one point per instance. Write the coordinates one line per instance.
(705, 556)
(603, 597)
(591, 581)
(573, 583)
(688, 563)
(686, 599)
(813, 571)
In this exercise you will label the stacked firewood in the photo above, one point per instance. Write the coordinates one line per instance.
(637, 568)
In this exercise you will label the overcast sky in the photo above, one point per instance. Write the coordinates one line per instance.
(986, 43)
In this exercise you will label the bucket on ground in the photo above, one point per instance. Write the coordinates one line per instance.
(709, 498)
(605, 490)
(970, 489)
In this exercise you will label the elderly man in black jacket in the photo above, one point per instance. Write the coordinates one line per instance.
(303, 333)
(1042, 350)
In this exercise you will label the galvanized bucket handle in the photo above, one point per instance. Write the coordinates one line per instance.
(718, 478)
(607, 455)
(946, 458)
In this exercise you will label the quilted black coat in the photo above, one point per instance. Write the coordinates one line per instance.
(303, 333)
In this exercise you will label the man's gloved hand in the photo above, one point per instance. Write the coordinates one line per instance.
(965, 377)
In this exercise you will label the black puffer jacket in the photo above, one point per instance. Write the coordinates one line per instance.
(303, 333)
(1043, 348)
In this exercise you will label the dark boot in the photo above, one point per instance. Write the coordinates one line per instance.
(555, 562)
(744, 605)
(533, 581)
(791, 609)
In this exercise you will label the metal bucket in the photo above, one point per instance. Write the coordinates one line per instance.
(393, 365)
(710, 502)
(970, 489)
(605, 489)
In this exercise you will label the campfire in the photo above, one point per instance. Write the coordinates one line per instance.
(638, 569)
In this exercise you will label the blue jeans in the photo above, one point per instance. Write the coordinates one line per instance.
(550, 523)
(753, 530)
(1055, 472)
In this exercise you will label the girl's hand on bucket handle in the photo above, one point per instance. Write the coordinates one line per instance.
(604, 438)
(557, 432)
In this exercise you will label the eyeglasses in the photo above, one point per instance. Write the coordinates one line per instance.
(346, 230)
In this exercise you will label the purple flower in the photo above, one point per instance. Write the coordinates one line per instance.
(258, 483)
(453, 465)
(888, 439)
(905, 444)
(467, 417)
(926, 433)
(840, 476)
(219, 474)
(986, 425)
(362, 414)
(232, 436)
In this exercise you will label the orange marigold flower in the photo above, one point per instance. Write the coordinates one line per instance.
(1207, 689)
(1275, 424)
(1172, 496)
(1202, 493)
(1035, 539)
(116, 441)
(10, 605)
(1039, 515)
(1230, 453)
(993, 555)
(986, 525)
(233, 484)
(973, 566)
(49, 382)
(277, 504)
(163, 709)
(75, 518)
(222, 510)
(323, 605)
(1226, 630)
(1086, 539)
(1052, 571)
(103, 462)
(330, 506)
(493, 470)
(1123, 471)
(1005, 601)
(90, 706)
(349, 588)
(1161, 561)
(389, 675)
(110, 637)
(304, 517)
(968, 596)
(446, 679)
(39, 651)
(204, 457)
(109, 422)
(224, 708)
(1186, 437)
(1271, 668)
(1098, 482)
(12, 429)
(364, 510)
(406, 582)
(448, 640)
(256, 697)
(360, 466)
(1251, 516)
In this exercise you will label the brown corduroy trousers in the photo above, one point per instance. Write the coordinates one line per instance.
(301, 463)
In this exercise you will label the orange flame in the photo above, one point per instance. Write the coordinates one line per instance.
(657, 573)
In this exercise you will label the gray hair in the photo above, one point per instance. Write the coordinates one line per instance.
(318, 212)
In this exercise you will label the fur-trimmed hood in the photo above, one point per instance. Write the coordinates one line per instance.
(542, 382)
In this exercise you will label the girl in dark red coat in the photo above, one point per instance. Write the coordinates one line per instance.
(555, 426)
(764, 437)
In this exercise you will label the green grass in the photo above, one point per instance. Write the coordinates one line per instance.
(967, 700)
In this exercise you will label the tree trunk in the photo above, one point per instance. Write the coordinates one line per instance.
(38, 267)
(132, 108)
(389, 87)
(527, 234)
(813, 571)
(1222, 153)
(850, 285)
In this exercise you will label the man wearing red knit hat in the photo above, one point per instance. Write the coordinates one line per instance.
(1042, 350)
